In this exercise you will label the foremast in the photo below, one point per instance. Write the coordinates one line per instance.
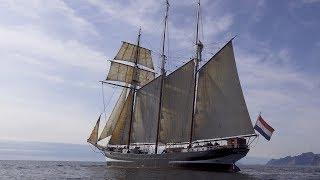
(131, 68)
(134, 86)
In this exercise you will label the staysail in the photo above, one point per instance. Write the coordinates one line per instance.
(93, 138)
(221, 110)
(176, 111)
(114, 116)
(144, 128)
(120, 133)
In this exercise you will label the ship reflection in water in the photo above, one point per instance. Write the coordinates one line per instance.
(148, 173)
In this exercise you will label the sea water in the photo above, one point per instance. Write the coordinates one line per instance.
(98, 170)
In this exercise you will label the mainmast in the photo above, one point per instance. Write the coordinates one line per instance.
(134, 86)
(163, 73)
(199, 47)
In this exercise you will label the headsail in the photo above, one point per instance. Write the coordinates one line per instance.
(114, 116)
(120, 133)
(93, 138)
(128, 51)
(221, 108)
(146, 112)
(177, 105)
(125, 73)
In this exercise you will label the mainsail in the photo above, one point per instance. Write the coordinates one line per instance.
(221, 110)
(93, 138)
(177, 107)
(114, 116)
(120, 133)
(144, 128)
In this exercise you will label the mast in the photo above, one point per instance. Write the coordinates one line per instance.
(163, 73)
(134, 86)
(199, 47)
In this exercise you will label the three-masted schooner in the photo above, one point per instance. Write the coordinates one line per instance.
(194, 115)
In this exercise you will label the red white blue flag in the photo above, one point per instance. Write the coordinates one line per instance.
(263, 128)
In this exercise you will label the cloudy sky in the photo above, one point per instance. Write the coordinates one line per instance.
(53, 54)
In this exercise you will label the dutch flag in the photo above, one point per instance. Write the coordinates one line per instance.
(263, 128)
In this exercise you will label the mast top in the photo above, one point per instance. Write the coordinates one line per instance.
(163, 56)
(139, 33)
(167, 3)
(199, 45)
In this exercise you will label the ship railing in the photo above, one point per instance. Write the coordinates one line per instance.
(196, 145)
(224, 138)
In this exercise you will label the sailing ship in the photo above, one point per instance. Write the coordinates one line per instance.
(193, 116)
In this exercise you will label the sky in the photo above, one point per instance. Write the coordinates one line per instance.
(54, 53)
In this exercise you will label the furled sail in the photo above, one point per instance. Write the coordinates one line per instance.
(176, 111)
(120, 133)
(144, 128)
(125, 73)
(114, 116)
(221, 110)
(93, 138)
(128, 52)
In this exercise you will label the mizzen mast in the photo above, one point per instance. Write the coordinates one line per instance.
(163, 73)
(199, 47)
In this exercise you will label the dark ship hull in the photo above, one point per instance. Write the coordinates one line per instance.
(219, 159)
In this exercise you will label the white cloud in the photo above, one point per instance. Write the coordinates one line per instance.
(136, 13)
(148, 15)
(28, 41)
(40, 65)
(46, 14)
(310, 1)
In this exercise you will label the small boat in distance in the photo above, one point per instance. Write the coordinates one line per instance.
(193, 117)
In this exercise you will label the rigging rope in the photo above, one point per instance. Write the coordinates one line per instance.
(106, 105)
(103, 100)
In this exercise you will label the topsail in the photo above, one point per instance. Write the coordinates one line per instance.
(128, 73)
(128, 51)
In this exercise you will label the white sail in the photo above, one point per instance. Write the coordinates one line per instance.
(128, 52)
(176, 111)
(114, 116)
(121, 130)
(144, 127)
(221, 110)
(93, 138)
(125, 73)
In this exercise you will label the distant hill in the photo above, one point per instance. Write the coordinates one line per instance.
(249, 160)
(304, 159)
